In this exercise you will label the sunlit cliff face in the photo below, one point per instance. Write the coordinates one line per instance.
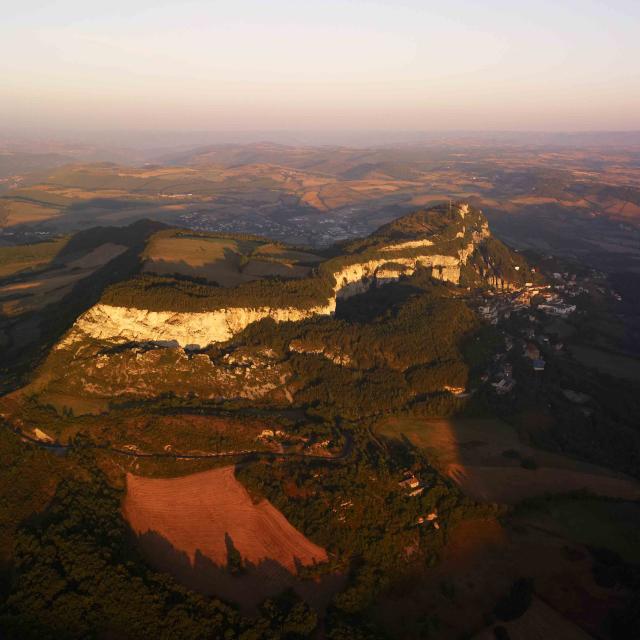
(119, 324)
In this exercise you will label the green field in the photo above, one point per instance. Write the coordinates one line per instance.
(591, 521)
(609, 363)
(29, 256)
(223, 260)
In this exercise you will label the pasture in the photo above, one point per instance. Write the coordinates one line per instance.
(490, 462)
(25, 257)
(226, 261)
(612, 364)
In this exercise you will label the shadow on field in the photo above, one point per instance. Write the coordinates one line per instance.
(241, 582)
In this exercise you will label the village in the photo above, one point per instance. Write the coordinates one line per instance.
(523, 319)
(285, 223)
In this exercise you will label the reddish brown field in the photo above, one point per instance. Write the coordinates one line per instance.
(196, 513)
(187, 526)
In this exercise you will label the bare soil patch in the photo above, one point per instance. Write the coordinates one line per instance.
(190, 526)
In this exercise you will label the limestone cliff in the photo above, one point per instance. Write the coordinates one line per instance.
(126, 324)
(446, 252)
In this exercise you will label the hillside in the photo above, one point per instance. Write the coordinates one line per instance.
(152, 308)
(257, 437)
(273, 315)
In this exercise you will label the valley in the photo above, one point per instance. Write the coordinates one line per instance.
(543, 195)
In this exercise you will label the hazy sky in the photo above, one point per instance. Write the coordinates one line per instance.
(302, 64)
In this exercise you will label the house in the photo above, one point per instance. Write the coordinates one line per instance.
(409, 483)
(504, 385)
(456, 391)
(557, 309)
(538, 364)
(432, 517)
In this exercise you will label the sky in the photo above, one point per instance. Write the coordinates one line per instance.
(238, 65)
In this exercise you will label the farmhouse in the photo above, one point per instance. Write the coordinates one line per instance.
(410, 483)
(538, 364)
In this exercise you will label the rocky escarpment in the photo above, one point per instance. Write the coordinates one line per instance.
(184, 329)
(384, 259)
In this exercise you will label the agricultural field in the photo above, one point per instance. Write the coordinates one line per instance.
(612, 364)
(33, 291)
(29, 257)
(19, 212)
(252, 539)
(225, 261)
(490, 462)
(534, 198)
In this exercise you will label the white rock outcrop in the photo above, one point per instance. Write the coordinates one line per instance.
(196, 329)
(199, 329)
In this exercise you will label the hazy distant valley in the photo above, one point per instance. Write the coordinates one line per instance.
(576, 201)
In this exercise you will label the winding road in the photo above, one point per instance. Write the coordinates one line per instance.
(53, 446)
